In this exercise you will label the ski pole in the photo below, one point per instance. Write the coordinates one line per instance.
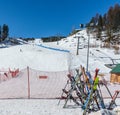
(63, 92)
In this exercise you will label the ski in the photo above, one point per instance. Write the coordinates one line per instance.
(90, 96)
(91, 82)
(100, 100)
(69, 96)
(63, 92)
(114, 98)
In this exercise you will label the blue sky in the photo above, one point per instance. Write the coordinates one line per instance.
(40, 18)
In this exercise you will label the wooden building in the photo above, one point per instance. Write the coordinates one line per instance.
(115, 74)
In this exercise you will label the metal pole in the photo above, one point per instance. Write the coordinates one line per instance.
(57, 39)
(88, 52)
(28, 83)
(77, 47)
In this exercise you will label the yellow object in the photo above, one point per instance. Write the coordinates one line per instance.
(96, 83)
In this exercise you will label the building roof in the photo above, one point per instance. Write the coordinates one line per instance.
(116, 69)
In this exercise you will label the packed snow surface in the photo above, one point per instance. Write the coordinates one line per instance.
(45, 59)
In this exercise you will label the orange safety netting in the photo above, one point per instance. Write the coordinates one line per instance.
(31, 83)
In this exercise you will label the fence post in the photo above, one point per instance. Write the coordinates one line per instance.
(28, 83)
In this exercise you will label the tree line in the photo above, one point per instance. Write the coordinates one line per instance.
(52, 38)
(109, 22)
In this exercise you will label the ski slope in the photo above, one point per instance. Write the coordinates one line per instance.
(44, 59)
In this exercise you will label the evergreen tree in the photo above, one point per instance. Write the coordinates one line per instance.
(110, 18)
(81, 25)
(110, 24)
(116, 17)
(99, 26)
(104, 21)
(96, 18)
(5, 32)
(0, 34)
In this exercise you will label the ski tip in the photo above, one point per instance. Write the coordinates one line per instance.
(69, 75)
(96, 69)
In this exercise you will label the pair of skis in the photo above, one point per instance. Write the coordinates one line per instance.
(93, 93)
(74, 87)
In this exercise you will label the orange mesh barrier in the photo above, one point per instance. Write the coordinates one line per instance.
(42, 84)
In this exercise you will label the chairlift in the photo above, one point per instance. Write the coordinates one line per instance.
(111, 66)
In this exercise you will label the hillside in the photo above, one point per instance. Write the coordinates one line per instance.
(99, 55)
(49, 64)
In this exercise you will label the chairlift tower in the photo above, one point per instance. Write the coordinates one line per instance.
(78, 46)
(81, 27)
(88, 33)
(88, 51)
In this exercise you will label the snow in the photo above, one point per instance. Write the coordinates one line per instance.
(40, 107)
(34, 107)
(47, 60)
(32, 53)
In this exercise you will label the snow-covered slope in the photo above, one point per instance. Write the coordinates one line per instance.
(21, 56)
(98, 56)
(44, 59)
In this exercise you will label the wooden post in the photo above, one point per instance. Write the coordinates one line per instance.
(28, 83)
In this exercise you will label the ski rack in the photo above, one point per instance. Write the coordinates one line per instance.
(76, 84)
(88, 93)
(113, 99)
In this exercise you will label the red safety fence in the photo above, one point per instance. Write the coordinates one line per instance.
(31, 83)
(8, 74)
